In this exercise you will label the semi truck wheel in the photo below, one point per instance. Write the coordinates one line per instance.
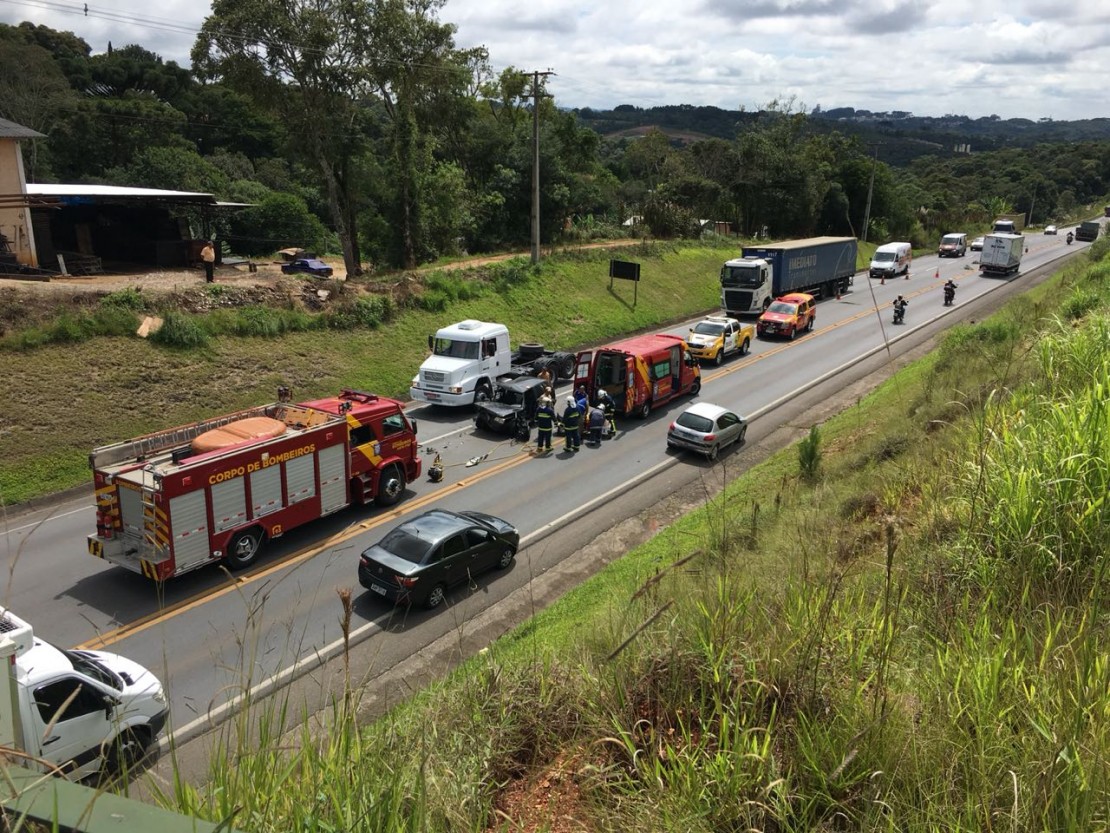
(482, 393)
(244, 548)
(391, 485)
(564, 363)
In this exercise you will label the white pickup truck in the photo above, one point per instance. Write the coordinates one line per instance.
(76, 712)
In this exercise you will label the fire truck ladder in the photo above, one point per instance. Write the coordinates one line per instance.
(153, 529)
(143, 448)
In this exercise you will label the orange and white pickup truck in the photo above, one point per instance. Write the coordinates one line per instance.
(787, 316)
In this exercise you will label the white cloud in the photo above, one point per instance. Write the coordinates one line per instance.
(1014, 58)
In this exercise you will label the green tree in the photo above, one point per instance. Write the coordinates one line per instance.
(277, 221)
(33, 93)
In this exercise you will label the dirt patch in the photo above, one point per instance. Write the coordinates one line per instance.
(550, 801)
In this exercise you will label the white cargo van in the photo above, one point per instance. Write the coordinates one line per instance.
(891, 260)
(78, 711)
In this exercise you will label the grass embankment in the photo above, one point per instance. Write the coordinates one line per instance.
(70, 387)
(902, 631)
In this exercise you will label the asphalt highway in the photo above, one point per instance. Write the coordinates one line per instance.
(213, 636)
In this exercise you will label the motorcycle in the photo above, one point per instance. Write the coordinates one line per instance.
(949, 295)
(1069, 238)
(899, 314)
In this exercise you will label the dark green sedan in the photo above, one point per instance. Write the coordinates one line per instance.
(418, 561)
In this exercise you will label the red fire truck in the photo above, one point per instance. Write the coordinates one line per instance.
(219, 489)
(640, 373)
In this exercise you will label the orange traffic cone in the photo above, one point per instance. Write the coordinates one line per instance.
(937, 275)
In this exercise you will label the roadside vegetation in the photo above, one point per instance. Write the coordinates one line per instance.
(896, 625)
(98, 385)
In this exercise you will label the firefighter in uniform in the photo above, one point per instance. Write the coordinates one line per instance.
(545, 424)
(609, 408)
(572, 418)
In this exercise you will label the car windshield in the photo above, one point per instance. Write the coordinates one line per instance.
(404, 544)
(508, 396)
(783, 308)
(707, 328)
(951, 240)
(455, 349)
(883, 257)
(695, 422)
(88, 665)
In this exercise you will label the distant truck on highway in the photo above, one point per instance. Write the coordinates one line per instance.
(820, 266)
(1088, 231)
(1001, 255)
(468, 359)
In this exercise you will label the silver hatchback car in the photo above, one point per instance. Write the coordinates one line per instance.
(706, 428)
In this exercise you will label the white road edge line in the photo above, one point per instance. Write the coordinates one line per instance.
(328, 652)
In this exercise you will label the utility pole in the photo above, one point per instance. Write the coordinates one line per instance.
(870, 188)
(536, 164)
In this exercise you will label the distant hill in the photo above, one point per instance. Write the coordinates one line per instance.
(901, 135)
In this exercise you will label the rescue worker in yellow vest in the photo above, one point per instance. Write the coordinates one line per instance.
(572, 418)
(545, 424)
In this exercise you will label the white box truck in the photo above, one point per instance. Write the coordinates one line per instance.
(76, 712)
(1001, 255)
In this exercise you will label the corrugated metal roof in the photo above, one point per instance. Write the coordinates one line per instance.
(11, 130)
(114, 191)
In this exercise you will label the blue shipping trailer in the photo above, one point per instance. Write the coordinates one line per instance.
(821, 266)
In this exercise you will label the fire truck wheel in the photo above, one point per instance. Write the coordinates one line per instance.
(435, 597)
(391, 486)
(695, 389)
(244, 549)
(645, 410)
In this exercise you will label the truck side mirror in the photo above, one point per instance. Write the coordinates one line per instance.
(412, 423)
(431, 342)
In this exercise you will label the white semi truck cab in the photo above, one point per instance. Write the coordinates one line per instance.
(75, 712)
(746, 285)
(466, 360)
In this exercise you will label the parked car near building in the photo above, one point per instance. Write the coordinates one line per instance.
(307, 265)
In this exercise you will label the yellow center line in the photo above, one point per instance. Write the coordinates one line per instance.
(236, 583)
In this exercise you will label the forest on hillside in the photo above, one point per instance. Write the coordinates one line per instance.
(394, 147)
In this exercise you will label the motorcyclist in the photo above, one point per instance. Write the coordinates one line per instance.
(900, 305)
(949, 292)
(1070, 237)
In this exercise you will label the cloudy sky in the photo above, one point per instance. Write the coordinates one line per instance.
(1012, 58)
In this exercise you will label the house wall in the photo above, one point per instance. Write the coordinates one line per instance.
(15, 222)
